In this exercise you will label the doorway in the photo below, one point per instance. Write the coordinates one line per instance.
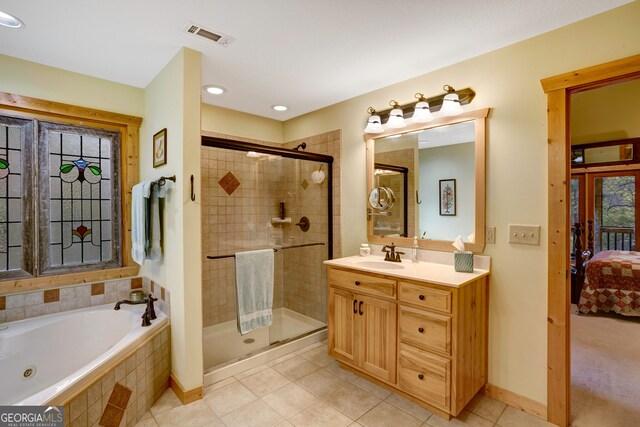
(559, 89)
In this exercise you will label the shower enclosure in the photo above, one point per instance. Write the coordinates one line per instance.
(257, 197)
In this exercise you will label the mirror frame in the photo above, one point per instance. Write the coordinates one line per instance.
(479, 117)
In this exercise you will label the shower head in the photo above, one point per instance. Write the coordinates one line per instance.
(301, 146)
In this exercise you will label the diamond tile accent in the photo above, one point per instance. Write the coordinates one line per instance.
(304, 184)
(229, 183)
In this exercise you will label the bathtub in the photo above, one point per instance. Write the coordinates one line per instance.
(47, 357)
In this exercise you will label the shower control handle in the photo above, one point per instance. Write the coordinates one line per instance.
(360, 308)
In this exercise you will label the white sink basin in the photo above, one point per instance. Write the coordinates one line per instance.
(385, 265)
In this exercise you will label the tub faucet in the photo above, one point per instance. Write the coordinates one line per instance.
(149, 312)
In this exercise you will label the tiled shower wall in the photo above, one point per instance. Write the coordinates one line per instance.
(403, 158)
(241, 195)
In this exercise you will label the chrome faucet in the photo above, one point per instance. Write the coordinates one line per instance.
(391, 254)
(149, 312)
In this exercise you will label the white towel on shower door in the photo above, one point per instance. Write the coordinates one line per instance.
(254, 289)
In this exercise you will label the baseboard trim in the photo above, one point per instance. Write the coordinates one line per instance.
(185, 396)
(519, 401)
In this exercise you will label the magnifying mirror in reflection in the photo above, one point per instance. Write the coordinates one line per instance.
(382, 198)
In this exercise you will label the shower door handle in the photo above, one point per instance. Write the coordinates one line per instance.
(360, 308)
(355, 310)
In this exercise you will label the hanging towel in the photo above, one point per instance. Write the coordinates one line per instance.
(254, 289)
(154, 220)
(139, 198)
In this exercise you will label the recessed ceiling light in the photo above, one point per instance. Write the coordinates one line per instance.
(10, 20)
(279, 107)
(215, 90)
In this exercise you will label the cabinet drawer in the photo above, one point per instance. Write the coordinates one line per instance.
(363, 283)
(427, 330)
(425, 376)
(434, 299)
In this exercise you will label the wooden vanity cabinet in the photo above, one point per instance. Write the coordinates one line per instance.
(427, 341)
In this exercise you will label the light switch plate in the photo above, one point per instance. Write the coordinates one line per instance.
(490, 236)
(524, 234)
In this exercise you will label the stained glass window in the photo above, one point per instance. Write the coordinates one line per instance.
(82, 194)
(16, 141)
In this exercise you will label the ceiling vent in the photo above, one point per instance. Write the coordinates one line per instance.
(214, 36)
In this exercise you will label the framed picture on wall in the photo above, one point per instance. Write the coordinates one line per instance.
(160, 148)
(447, 197)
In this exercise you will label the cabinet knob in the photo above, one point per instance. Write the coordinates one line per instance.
(420, 376)
(357, 283)
(421, 297)
(421, 330)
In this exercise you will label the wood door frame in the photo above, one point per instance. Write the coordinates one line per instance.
(559, 89)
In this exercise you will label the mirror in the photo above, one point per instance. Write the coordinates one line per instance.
(444, 188)
(393, 221)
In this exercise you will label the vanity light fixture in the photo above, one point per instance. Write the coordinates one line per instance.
(396, 117)
(374, 124)
(421, 113)
(8, 20)
(279, 107)
(215, 90)
(450, 103)
(447, 104)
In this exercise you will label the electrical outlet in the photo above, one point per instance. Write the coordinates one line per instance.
(524, 234)
(490, 236)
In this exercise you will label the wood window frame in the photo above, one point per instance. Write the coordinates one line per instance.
(128, 127)
(559, 90)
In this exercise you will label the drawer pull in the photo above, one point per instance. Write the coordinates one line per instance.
(421, 330)
(421, 297)
(357, 282)
(420, 376)
(360, 308)
(355, 311)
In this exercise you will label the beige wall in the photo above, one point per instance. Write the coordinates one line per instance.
(231, 122)
(172, 100)
(606, 113)
(508, 81)
(53, 84)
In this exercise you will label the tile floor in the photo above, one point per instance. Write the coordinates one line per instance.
(308, 389)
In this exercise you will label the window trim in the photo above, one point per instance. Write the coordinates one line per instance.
(128, 126)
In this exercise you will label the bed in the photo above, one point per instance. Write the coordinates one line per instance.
(611, 283)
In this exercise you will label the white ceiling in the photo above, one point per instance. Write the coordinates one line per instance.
(306, 54)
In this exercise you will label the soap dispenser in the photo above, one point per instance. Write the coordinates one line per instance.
(414, 250)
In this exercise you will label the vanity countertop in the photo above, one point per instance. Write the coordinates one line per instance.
(439, 274)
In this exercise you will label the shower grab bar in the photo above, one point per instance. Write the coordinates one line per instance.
(274, 250)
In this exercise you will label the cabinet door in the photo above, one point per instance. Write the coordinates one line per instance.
(377, 337)
(342, 338)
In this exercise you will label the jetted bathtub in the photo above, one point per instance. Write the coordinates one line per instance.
(42, 357)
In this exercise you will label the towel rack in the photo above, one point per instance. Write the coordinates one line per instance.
(274, 250)
(161, 181)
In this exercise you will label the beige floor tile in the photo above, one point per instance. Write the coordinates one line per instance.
(265, 381)
(147, 422)
(250, 372)
(486, 407)
(311, 347)
(341, 373)
(167, 401)
(320, 414)
(254, 414)
(296, 368)
(281, 359)
(321, 383)
(355, 424)
(219, 385)
(289, 400)
(464, 418)
(196, 414)
(513, 417)
(146, 415)
(229, 398)
(352, 401)
(285, 423)
(408, 406)
(370, 387)
(385, 415)
(318, 356)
